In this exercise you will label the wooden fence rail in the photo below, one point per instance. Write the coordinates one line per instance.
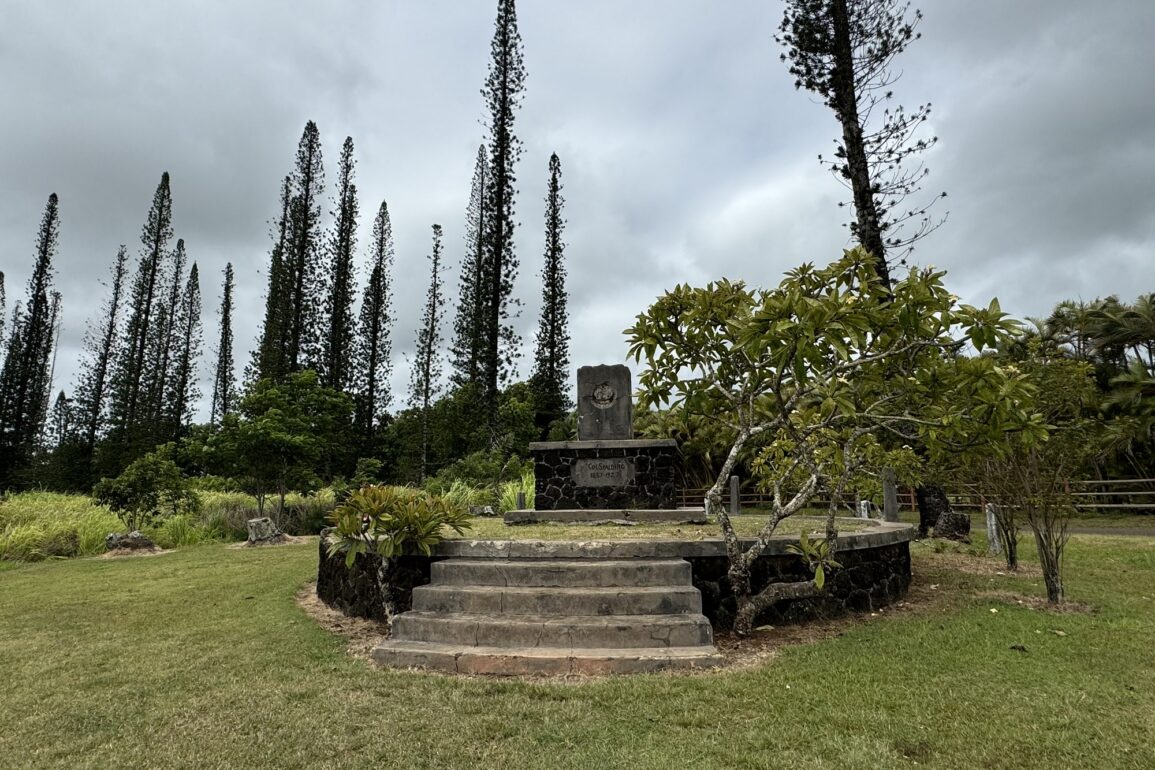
(1104, 495)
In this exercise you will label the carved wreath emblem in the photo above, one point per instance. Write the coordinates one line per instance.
(603, 396)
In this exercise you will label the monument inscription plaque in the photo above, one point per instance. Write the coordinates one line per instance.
(605, 409)
(610, 472)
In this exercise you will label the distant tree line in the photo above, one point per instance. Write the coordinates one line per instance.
(314, 400)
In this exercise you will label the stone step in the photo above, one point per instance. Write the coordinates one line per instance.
(532, 631)
(506, 661)
(493, 600)
(562, 572)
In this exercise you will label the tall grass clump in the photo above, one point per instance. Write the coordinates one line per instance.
(43, 525)
(507, 492)
(462, 495)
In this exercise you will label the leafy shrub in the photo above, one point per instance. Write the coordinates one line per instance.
(150, 487)
(210, 483)
(392, 521)
(368, 471)
(483, 469)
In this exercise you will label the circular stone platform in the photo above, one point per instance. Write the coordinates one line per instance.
(876, 570)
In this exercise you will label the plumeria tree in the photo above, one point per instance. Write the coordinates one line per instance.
(823, 379)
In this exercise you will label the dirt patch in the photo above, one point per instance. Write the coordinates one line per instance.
(282, 540)
(117, 553)
(361, 634)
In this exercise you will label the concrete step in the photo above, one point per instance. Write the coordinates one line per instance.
(562, 572)
(507, 661)
(532, 631)
(558, 601)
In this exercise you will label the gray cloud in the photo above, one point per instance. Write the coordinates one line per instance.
(687, 153)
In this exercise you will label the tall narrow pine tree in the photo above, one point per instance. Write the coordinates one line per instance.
(551, 357)
(302, 269)
(134, 376)
(25, 379)
(100, 348)
(469, 323)
(271, 358)
(3, 313)
(425, 379)
(224, 383)
(372, 364)
(503, 94)
(338, 335)
(182, 389)
(164, 349)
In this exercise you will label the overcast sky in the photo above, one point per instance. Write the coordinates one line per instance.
(687, 154)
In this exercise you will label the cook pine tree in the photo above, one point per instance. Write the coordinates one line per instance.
(181, 388)
(224, 398)
(337, 337)
(551, 354)
(3, 312)
(93, 384)
(372, 349)
(271, 358)
(136, 368)
(290, 339)
(164, 347)
(503, 92)
(469, 323)
(24, 378)
(843, 51)
(425, 377)
(304, 276)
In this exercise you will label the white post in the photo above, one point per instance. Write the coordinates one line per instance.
(864, 509)
(994, 534)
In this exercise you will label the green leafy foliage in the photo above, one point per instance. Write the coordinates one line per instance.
(818, 555)
(151, 487)
(392, 521)
(810, 375)
(288, 437)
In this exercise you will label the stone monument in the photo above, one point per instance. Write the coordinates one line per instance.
(607, 474)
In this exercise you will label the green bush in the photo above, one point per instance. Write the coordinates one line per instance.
(392, 521)
(150, 487)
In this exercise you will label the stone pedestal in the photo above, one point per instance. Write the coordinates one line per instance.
(607, 475)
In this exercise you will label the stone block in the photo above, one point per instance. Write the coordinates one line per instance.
(605, 403)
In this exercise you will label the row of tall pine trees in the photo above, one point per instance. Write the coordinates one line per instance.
(138, 385)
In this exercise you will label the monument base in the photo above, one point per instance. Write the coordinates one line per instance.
(611, 475)
(605, 516)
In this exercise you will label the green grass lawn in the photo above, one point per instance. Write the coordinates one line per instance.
(201, 658)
